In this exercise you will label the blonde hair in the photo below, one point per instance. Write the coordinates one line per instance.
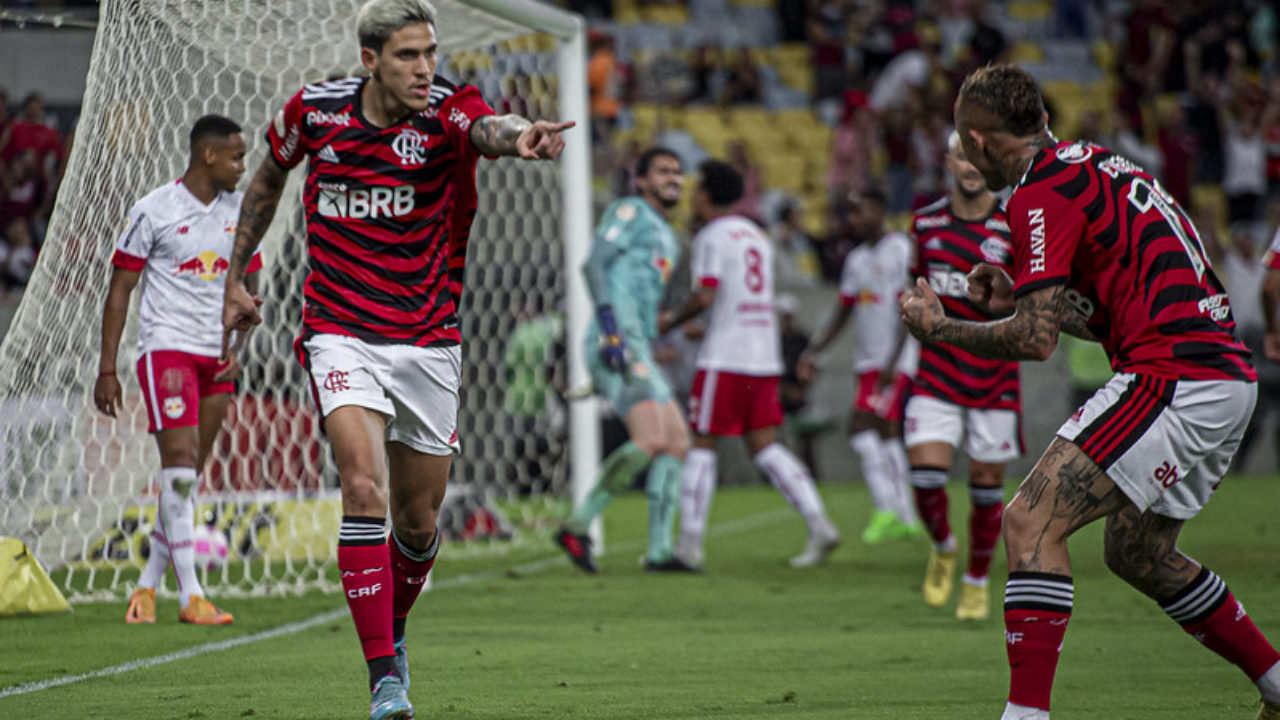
(377, 19)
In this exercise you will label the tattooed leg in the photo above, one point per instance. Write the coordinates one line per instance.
(1141, 548)
(1064, 492)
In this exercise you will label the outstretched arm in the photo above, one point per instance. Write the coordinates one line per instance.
(1031, 333)
(700, 299)
(239, 306)
(514, 136)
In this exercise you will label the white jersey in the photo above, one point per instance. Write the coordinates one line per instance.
(733, 256)
(873, 277)
(182, 247)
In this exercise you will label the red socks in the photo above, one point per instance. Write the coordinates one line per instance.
(365, 564)
(1208, 611)
(1037, 607)
(409, 573)
(984, 528)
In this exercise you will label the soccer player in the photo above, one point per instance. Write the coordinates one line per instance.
(178, 243)
(380, 330)
(735, 389)
(875, 273)
(1271, 300)
(1102, 251)
(958, 393)
(631, 260)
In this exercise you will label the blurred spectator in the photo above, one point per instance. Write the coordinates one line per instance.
(749, 205)
(515, 95)
(624, 177)
(22, 197)
(896, 122)
(1244, 168)
(795, 262)
(851, 145)
(1149, 40)
(29, 132)
(1243, 271)
(929, 151)
(1177, 148)
(742, 86)
(701, 67)
(6, 124)
(902, 84)
(986, 43)
(1128, 141)
(605, 80)
(826, 29)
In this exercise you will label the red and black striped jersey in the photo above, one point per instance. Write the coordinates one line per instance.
(946, 249)
(1131, 260)
(378, 204)
(460, 105)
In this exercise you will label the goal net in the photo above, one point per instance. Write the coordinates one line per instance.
(78, 487)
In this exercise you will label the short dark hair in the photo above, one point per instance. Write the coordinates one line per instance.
(646, 158)
(212, 126)
(722, 182)
(1009, 95)
(872, 193)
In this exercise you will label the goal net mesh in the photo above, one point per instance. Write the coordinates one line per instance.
(78, 486)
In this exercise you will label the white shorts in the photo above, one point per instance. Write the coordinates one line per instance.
(1165, 443)
(991, 436)
(416, 388)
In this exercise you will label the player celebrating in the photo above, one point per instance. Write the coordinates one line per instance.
(735, 390)
(179, 238)
(631, 259)
(958, 393)
(874, 274)
(380, 333)
(1102, 251)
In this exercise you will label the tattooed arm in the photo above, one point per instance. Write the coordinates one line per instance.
(1073, 324)
(239, 305)
(512, 135)
(1031, 333)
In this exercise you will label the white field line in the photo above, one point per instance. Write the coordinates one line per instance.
(731, 527)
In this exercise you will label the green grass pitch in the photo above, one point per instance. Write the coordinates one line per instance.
(523, 635)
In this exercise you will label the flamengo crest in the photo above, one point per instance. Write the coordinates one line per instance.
(411, 148)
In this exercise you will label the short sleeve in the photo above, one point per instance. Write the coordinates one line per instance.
(461, 109)
(287, 136)
(706, 267)
(1272, 257)
(135, 243)
(1046, 229)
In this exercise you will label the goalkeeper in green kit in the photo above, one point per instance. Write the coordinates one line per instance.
(632, 256)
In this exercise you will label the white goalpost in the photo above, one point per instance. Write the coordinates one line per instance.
(76, 486)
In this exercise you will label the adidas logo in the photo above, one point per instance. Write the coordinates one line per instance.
(327, 154)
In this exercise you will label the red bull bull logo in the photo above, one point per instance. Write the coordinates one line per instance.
(207, 265)
(664, 266)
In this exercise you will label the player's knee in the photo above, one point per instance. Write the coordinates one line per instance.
(650, 445)
(415, 529)
(678, 447)
(363, 494)
(1018, 527)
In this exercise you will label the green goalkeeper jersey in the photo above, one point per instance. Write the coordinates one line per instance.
(632, 256)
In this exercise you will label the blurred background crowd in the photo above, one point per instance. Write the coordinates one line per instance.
(813, 99)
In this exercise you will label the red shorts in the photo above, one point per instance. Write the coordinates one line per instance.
(885, 405)
(722, 403)
(173, 383)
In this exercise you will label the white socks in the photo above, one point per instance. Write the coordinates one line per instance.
(697, 487)
(791, 478)
(1021, 712)
(1269, 684)
(895, 458)
(176, 519)
(876, 469)
(158, 560)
